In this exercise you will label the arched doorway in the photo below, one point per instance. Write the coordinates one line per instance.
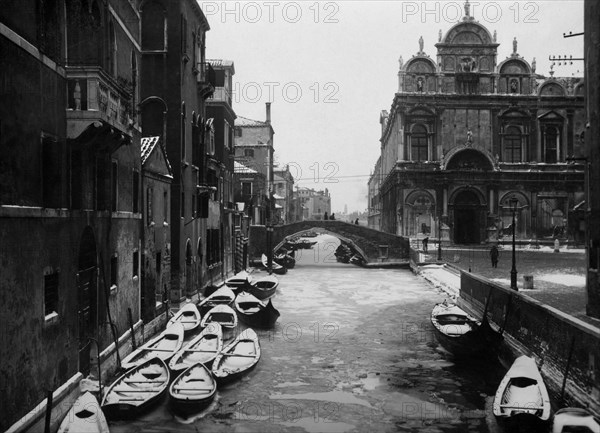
(467, 208)
(87, 297)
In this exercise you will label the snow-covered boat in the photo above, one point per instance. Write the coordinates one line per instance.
(85, 416)
(238, 357)
(276, 267)
(222, 314)
(192, 390)
(163, 346)
(572, 419)
(254, 312)
(264, 287)
(188, 316)
(136, 390)
(204, 348)
(462, 334)
(522, 398)
(239, 281)
(222, 296)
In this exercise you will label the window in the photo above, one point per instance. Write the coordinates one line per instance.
(213, 246)
(184, 44)
(246, 189)
(114, 171)
(512, 144)
(136, 258)
(50, 293)
(226, 132)
(551, 141)
(418, 143)
(114, 263)
(249, 153)
(238, 131)
(135, 192)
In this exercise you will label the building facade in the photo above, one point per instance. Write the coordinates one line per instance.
(374, 205)
(283, 193)
(312, 204)
(468, 138)
(70, 206)
(254, 149)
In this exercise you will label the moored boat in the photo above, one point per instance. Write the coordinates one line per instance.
(188, 316)
(223, 296)
(222, 314)
(264, 287)
(573, 419)
(85, 416)
(239, 281)
(203, 348)
(285, 260)
(192, 390)
(254, 312)
(136, 390)
(238, 357)
(277, 268)
(522, 400)
(462, 334)
(163, 346)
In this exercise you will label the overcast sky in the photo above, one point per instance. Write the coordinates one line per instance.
(329, 68)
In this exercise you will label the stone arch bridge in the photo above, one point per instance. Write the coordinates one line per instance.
(377, 248)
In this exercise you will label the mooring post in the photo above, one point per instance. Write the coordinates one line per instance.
(48, 411)
(567, 368)
(130, 318)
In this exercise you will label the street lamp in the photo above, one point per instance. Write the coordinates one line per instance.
(439, 239)
(513, 272)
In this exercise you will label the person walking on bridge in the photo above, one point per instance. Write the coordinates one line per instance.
(494, 254)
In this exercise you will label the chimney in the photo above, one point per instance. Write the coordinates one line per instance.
(268, 104)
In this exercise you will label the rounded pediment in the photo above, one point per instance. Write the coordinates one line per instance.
(551, 88)
(469, 159)
(468, 33)
(420, 65)
(514, 66)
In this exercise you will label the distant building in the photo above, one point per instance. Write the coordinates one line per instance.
(249, 187)
(283, 191)
(468, 137)
(254, 149)
(312, 204)
(373, 199)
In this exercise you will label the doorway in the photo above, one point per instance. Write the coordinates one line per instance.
(466, 218)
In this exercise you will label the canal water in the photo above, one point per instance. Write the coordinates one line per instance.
(353, 351)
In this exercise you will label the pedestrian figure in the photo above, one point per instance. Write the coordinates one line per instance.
(494, 253)
(332, 217)
(356, 221)
(325, 216)
(425, 241)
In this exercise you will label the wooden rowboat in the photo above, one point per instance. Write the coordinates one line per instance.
(254, 312)
(239, 281)
(85, 416)
(571, 419)
(136, 390)
(222, 314)
(522, 398)
(264, 287)
(204, 348)
(285, 260)
(462, 334)
(223, 296)
(277, 268)
(238, 357)
(163, 346)
(188, 316)
(192, 390)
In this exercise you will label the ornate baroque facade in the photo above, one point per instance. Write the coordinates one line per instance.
(468, 136)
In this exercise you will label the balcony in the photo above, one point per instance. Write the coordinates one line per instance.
(206, 80)
(221, 94)
(93, 95)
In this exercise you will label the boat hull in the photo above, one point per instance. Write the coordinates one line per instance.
(85, 416)
(238, 358)
(190, 397)
(265, 318)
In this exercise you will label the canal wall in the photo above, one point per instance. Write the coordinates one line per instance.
(560, 342)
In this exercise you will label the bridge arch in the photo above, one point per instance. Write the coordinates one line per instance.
(375, 246)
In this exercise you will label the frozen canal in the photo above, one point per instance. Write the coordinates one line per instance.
(353, 350)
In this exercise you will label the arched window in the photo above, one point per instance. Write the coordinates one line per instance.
(551, 144)
(154, 26)
(418, 143)
(512, 144)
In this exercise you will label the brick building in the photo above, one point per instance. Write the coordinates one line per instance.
(69, 191)
(468, 136)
